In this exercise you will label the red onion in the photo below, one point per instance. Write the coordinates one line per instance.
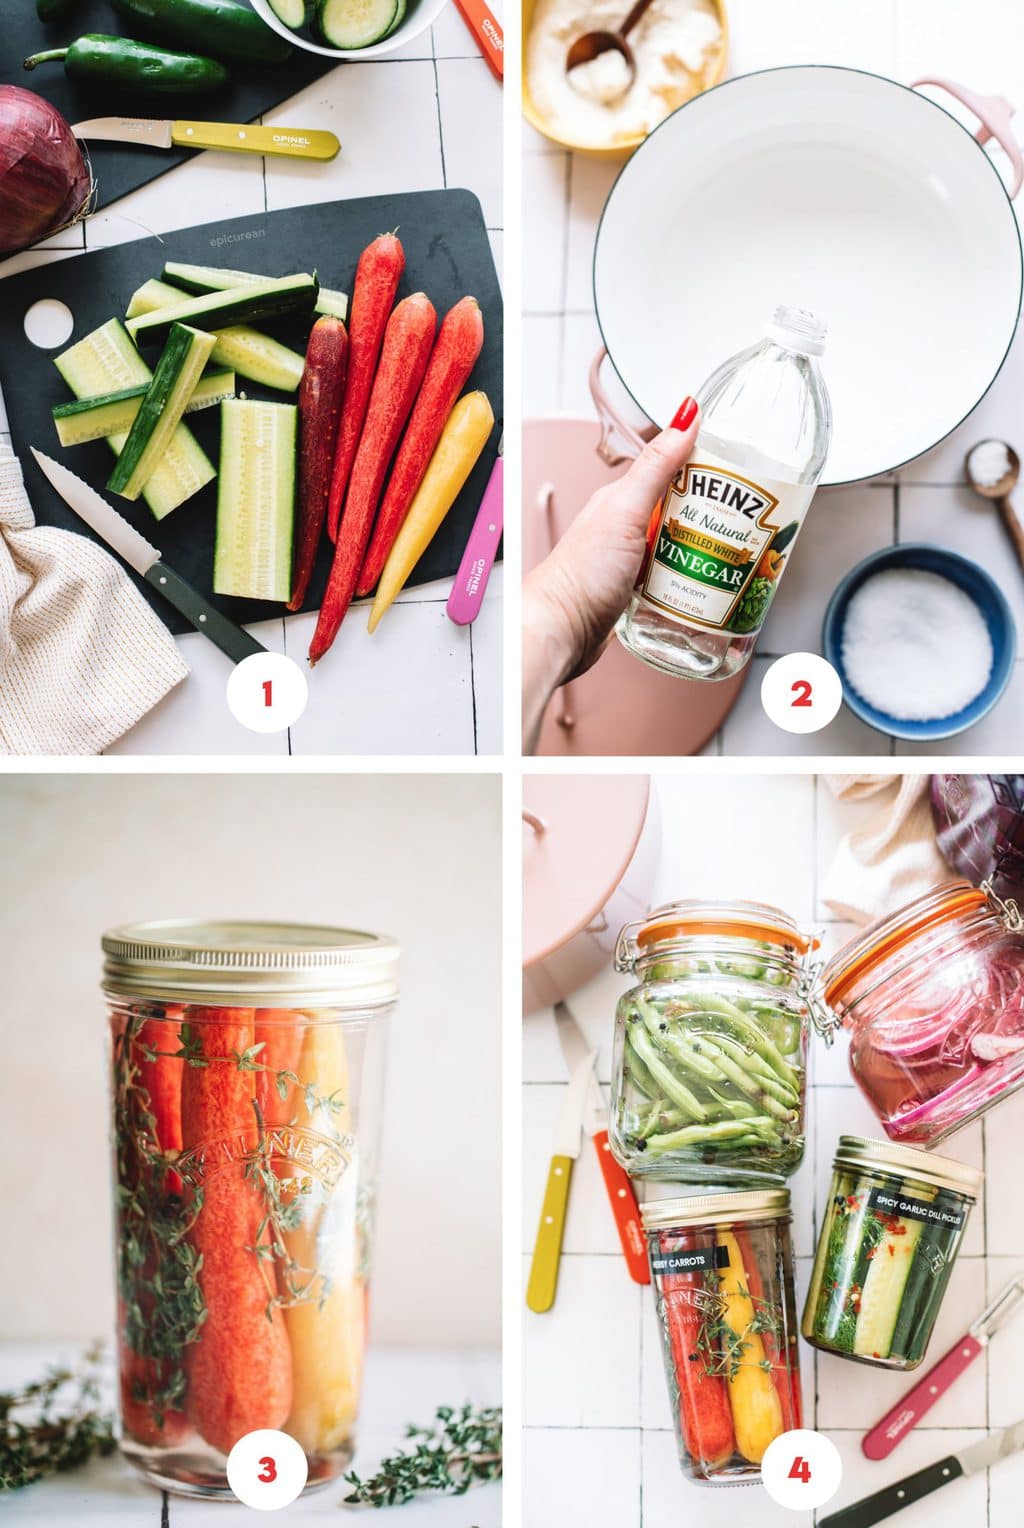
(44, 180)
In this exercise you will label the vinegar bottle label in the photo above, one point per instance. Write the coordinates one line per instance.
(720, 546)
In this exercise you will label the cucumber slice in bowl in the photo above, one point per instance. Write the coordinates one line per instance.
(354, 24)
(291, 12)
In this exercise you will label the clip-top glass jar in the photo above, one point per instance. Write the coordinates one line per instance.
(890, 1233)
(710, 1045)
(247, 1078)
(722, 1268)
(934, 1000)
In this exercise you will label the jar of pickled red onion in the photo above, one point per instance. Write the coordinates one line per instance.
(933, 997)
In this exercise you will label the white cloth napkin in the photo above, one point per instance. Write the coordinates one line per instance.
(82, 656)
(892, 857)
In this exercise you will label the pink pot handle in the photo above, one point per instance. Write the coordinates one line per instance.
(611, 422)
(995, 114)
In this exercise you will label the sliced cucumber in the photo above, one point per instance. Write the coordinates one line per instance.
(178, 370)
(255, 499)
(114, 413)
(106, 361)
(216, 310)
(247, 351)
(208, 278)
(150, 296)
(291, 12)
(353, 24)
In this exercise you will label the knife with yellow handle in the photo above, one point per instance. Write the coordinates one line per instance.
(239, 137)
(547, 1248)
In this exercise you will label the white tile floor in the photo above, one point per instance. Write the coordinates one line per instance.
(427, 116)
(401, 1387)
(598, 1443)
(980, 44)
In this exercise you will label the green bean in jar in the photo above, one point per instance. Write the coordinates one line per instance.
(708, 1072)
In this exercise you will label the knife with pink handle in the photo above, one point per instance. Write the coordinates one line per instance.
(481, 549)
(907, 1413)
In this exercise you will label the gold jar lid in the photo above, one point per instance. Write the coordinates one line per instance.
(248, 964)
(884, 1156)
(715, 1209)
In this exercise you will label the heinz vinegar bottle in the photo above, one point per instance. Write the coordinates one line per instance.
(727, 526)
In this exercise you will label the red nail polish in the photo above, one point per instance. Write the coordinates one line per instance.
(685, 415)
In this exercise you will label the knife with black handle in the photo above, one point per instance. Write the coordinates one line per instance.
(133, 547)
(912, 1488)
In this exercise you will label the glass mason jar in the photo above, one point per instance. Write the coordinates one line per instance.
(894, 1221)
(246, 1064)
(722, 1269)
(710, 1045)
(933, 998)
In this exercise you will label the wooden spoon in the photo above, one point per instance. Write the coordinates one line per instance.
(1000, 493)
(592, 44)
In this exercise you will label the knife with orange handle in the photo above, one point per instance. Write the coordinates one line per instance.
(617, 1184)
(486, 28)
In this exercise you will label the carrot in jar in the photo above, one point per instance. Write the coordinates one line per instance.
(140, 1378)
(704, 1413)
(328, 1335)
(161, 1078)
(239, 1371)
(279, 1031)
(785, 1367)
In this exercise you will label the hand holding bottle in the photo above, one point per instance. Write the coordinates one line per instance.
(572, 599)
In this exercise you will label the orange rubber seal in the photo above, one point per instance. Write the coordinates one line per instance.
(675, 928)
(959, 898)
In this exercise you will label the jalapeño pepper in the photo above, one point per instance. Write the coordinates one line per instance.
(121, 64)
(222, 27)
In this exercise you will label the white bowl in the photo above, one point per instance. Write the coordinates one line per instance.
(420, 15)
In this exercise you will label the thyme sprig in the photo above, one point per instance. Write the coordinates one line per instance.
(462, 1447)
(285, 1202)
(54, 1424)
(157, 1266)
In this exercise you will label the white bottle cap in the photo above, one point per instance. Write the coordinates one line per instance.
(798, 330)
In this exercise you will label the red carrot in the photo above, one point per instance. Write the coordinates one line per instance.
(239, 1371)
(403, 362)
(458, 346)
(320, 396)
(161, 1079)
(280, 1032)
(705, 1415)
(140, 1379)
(785, 1366)
(373, 292)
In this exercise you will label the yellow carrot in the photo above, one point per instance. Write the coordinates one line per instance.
(455, 455)
(327, 1337)
(756, 1409)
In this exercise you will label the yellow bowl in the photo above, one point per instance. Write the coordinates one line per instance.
(624, 145)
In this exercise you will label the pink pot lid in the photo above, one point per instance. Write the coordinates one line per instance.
(591, 827)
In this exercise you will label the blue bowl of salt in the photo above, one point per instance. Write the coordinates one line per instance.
(981, 589)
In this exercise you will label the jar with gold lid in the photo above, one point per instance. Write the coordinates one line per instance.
(246, 1065)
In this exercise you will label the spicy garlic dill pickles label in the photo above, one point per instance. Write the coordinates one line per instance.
(720, 545)
(907, 1207)
(693, 1260)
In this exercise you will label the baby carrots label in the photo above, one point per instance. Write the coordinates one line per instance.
(693, 1260)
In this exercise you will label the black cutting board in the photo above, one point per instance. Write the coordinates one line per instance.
(447, 255)
(251, 90)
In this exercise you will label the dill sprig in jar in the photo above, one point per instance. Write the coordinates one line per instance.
(247, 1064)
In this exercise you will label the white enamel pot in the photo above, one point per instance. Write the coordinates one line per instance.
(590, 855)
(834, 190)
